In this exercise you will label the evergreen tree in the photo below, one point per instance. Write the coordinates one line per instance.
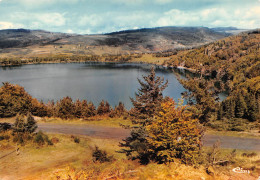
(91, 110)
(241, 106)
(101, 108)
(107, 108)
(65, 108)
(19, 124)
(78, 109)
(31, 124)
(148, 99)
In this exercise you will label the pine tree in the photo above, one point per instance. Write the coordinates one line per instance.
(65, 108)
(101, 108)
(78, 109)
(19, 124)
(31, 124)
(107, 108)
(148, 99)
(91, 110)
(241, 106)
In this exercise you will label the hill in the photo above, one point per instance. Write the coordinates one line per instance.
(233, 65)
(24, 43)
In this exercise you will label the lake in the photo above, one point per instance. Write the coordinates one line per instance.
(91, 81)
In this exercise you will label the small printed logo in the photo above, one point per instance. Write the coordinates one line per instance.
(241, 170)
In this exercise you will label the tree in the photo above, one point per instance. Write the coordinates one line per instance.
(78, 109)
(14, 99)
(101, 108)
(65, 108)
(148, 99)
(25, 125)
(202, 96)
(31, 124)
(174, 133)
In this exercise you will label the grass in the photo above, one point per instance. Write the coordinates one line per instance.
(99, 121)
(75, 159)
(244, 134)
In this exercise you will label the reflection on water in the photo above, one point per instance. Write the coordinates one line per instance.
(91, 81)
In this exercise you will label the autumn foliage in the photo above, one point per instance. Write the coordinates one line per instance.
(14, 99)
(174, 134)
(161, 131)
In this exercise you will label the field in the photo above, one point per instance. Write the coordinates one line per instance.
(68, 158)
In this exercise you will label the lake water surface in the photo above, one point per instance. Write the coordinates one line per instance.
(91, 81)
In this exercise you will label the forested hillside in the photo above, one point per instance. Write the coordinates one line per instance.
(232, 65)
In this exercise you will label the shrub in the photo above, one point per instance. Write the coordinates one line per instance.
(5, 126)
(41, 139)
(249, 155)
(55, 140)
(101, 156)
(76, 140)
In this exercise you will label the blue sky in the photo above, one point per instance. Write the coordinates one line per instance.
(101, 16)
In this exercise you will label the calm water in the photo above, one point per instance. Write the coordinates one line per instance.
(91, 81)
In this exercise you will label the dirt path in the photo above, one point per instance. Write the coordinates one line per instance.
(120, 133)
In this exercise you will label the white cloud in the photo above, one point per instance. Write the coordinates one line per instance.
(6, 25)
(163, 1)
(46, 1)
(40, 20)
(91, 20)
(70, 31)
(9, 25)
(212, 17)
(128, 2)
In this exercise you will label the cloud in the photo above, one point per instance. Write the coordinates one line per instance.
(40, 20)
(128, 2)
(91, 20)
(163, 1)
(9, 25)
(6, 25)
(42, 3)
(69, 31)
(212, 17)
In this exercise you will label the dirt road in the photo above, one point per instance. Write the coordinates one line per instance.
(120, 133)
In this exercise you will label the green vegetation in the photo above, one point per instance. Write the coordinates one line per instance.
(230, 65)
(14, 99)
(165, 137)
(161, 132)
(63, 58)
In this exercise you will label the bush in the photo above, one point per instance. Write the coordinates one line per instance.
(249, 155)
(101, 156)
(41, 139)
(55, 140)
(5, 126)
(76, 140)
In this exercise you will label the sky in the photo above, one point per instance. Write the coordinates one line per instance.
(103, 16)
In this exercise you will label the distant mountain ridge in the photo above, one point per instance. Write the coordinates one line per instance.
(24, 42)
